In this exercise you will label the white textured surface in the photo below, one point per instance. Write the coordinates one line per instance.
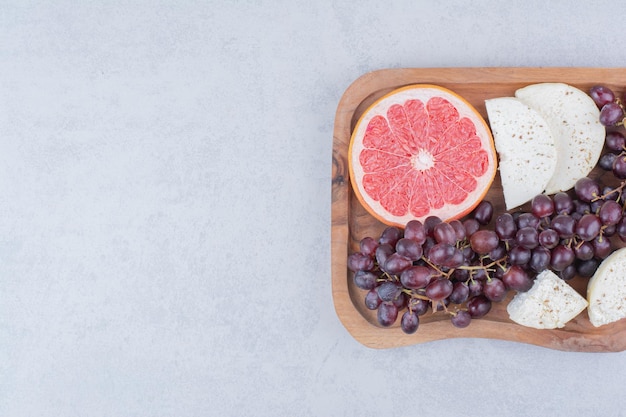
(165, 209)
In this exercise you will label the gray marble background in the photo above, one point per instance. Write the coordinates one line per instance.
(165, 209)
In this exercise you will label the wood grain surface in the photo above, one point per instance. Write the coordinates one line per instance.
(350, 222)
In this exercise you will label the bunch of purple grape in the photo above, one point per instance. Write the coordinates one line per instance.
(462, 267)
(612, 115)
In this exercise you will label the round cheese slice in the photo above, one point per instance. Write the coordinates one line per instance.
(526, 150)
(578, 134)
(549, 304)
(606, 290)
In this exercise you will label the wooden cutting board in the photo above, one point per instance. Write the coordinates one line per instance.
(350, 221)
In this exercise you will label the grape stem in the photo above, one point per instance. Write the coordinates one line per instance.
(617, 189)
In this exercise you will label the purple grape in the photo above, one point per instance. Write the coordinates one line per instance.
(561, 257)
(475, 287)
(601, 247)
(548, 238)
(478, 306)
(468, 254)
(441, 253)
(563, 203)
(610, 213)
(419, 306)
(409, 322)
(483, 212)
(601, 95)
(619, 166)
(457, 259)
(429, 224)
(542, 206)
(390, 236)
(460, 274)
(587, 268)
(505, 226)
(387, 314)
(494, 289)
(400, 301)
(444, 233)
(372, 300)
(439, 289)
(396, 263)
(568, 273)
(365, 280)
(528, 220)
(587, 189)
(584, 251)
(527, 237)
(460, 293)
(499, 252)
(615, 141)
(606, 161)
(588, 227)
(360, 262)
(416, 231)
(368, 246)
(461, 319)
(519, 255)
(484, 241)
(610, 193)
(409, 249)
(459, 229)
(540, 259)
(389, 291)
(428, 244)
(564, 225)
(581, 207)
(517, 279)
(383, 252)
(416, 277)
(611, 114)
(471, 226)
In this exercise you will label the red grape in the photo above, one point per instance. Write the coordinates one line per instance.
(439, 289)
(387, 314)
(611, 114)
(409, 322)
(478, 306)
(461, 319)
(601, 95)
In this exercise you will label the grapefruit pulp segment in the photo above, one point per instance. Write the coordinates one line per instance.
(421, 151)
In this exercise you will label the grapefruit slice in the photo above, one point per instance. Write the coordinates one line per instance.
(419, 151)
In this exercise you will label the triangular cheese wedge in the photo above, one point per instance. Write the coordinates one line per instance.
(578, 134)
(549, 304)
(606, 290)
(526, 150)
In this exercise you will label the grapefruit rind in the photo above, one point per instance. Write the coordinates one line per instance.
(482, 176)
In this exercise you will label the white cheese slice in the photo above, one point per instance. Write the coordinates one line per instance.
(578, 134)
(549, 304)
(526, 150)
(606, 290)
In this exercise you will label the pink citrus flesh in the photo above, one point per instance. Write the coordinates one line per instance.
(420, 151)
